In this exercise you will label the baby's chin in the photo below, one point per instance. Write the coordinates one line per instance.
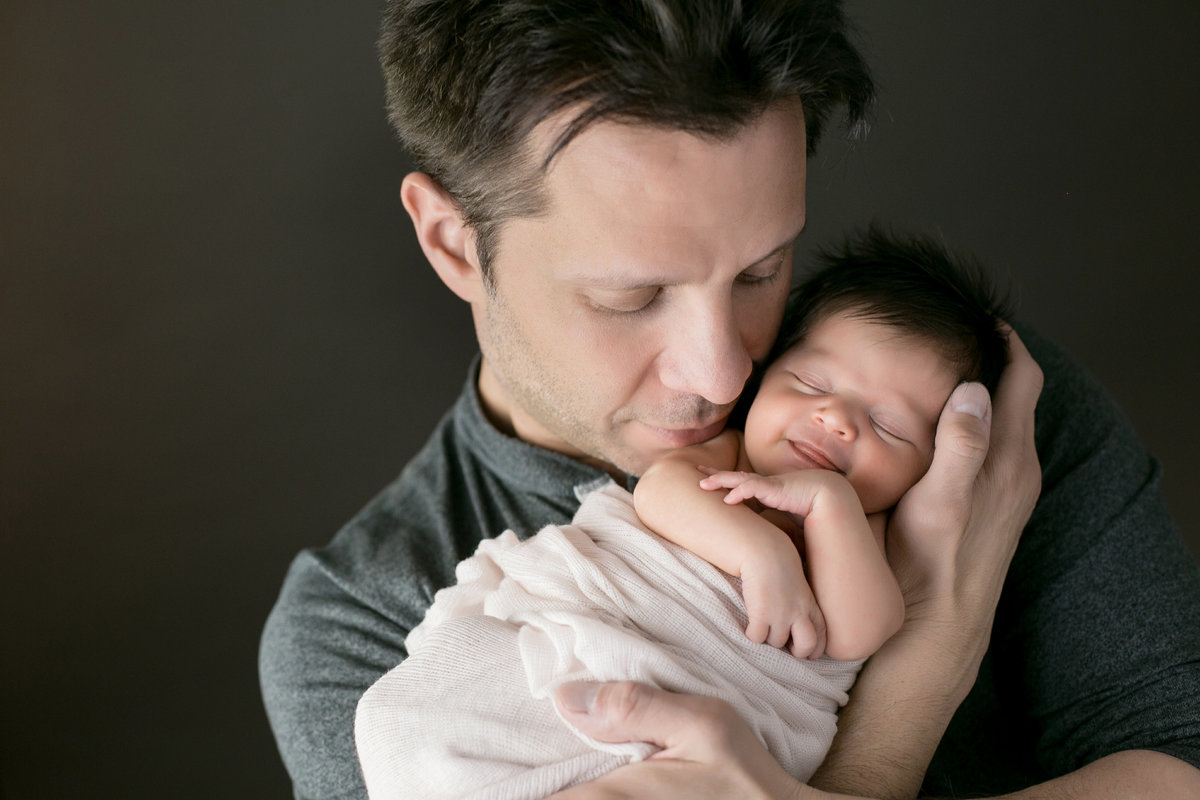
(875, 502)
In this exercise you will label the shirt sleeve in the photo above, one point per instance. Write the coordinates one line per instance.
(1099, 627)
(339, 624)
(321, 648)
(345, 609)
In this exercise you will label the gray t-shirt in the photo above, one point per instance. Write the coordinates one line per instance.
(1095, 649)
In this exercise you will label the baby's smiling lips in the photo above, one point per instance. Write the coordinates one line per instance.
(813, 457)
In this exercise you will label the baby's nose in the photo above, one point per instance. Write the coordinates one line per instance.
(837, 420)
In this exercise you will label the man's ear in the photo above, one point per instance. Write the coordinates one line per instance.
(446, 239)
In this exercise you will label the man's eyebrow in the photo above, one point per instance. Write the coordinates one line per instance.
(789, 242)
(777, 251)
(631, 282)
(615, 281)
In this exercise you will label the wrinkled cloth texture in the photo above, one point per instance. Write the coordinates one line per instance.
(471, 714)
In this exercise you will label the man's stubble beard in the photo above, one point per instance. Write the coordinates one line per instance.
(535, 393)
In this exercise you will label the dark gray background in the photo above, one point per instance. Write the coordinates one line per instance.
(219, 339)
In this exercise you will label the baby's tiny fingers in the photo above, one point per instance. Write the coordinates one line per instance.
(717, 480)
(739, 494)
(778, 637)
(757, 631)
(726, 479)
(804, 639)
(818, 624)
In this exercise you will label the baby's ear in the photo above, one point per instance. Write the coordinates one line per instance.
(445, 238)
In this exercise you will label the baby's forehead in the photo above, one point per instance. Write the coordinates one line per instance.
(834, 339)
(894, 333)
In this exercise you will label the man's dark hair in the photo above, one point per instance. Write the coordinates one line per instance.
(468, 80)
(913, 285)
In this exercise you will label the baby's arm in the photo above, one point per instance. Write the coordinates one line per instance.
(847, 569)
(779, 603)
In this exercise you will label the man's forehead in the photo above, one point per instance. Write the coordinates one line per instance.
(650, 176)
(618, 142)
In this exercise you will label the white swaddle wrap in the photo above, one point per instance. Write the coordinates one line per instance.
(471, 714)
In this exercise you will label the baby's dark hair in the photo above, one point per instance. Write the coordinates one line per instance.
(912, 284)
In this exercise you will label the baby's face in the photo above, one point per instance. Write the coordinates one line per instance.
(855, 397)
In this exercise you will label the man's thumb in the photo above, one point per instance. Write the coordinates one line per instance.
(625, 711)
(608, 712)
(963, 433)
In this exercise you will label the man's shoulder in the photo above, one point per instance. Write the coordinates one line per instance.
(1093, 464)
(383, 566)
(467, 482)
(1076, 415)
(345, 608)
(1094, 628)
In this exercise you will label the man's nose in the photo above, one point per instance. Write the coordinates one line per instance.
(707, 356)
(837, 419)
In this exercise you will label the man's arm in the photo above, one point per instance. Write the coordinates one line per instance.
(950, 542)
(1126, 775)
(709, 753)
(1085, 631)
(320, 650)
(951, 563)
(903, 701)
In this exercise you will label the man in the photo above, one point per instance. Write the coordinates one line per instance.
(614, 189)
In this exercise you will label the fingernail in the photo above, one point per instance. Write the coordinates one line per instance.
(578, 697)
(970, 398)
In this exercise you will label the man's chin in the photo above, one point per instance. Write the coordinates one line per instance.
(636, 460)
(667, 439)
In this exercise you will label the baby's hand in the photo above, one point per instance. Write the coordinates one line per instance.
(780, 604)
(793, 492)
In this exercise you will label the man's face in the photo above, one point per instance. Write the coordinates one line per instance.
(856, 397)
(624, 322)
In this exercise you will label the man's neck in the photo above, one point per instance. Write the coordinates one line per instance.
(495, 401)
(501, 412)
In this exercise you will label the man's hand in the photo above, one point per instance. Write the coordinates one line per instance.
(707, 750)
(949, 542)
(953, 535)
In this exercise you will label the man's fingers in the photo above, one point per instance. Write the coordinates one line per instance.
(1013, 463)
(632, 712)
(612, 712)
(961, 441)
(707, 751)
(1017, 393)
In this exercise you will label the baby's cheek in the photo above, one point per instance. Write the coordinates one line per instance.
(904, 474)
(918, 465)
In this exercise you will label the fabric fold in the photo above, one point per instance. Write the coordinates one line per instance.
(470, 713)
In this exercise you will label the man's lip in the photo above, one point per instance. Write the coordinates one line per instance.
(812, 456)
(685, 437)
